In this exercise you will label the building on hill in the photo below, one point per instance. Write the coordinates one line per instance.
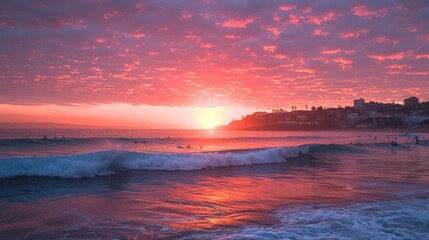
(411, 102)
(359, 104)
(378, 106)
(362, 115)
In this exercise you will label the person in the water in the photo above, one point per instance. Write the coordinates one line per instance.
(417, 139)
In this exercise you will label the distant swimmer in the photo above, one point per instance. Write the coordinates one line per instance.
(135, 142)
(417, 140)
(188, 147)
(45, 137)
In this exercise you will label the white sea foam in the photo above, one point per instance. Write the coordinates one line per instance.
(405, 219)
(104, 163)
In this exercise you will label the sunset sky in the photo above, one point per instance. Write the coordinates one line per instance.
(196, 64)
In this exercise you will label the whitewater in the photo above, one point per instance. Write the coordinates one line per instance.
(208, 184)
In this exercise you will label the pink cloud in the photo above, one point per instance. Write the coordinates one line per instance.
(381, 39)
(365, 12)
(100, 40)
(396, 56)
(96, 69)
(417, 73)
(349, 51)
(286, 8)
(333, 51)
(270, 48)
(331, 16)
(353, 34)
(319, 32)
(186, 15)
(397, 66)
(233, 37)
(274, 30)
(344, 62)
(419, 56)
(305, 70)
(167, 69)
(294, 19)
(206, 45)
(108, 15)
(140, 5)
(193, 37)
(280, 56)
(233, 23)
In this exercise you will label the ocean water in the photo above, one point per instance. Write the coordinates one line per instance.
(210, 184)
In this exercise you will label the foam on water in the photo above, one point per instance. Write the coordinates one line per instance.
(405, 219)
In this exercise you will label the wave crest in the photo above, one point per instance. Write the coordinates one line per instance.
(110, 162)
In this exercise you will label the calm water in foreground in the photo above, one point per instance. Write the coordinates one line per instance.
(147, 184)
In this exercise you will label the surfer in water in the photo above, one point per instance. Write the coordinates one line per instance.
(417, 139)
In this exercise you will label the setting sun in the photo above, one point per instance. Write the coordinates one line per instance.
(209, 118)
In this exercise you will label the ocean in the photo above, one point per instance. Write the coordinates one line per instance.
(212, 184)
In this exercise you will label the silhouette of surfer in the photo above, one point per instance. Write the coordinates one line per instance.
(45, 137)
(417, 139)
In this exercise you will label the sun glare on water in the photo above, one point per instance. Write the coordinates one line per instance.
(208, 118)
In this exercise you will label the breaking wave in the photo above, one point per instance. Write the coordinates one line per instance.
(110, 162)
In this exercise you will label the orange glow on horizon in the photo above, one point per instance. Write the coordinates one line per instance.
(122, 115)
